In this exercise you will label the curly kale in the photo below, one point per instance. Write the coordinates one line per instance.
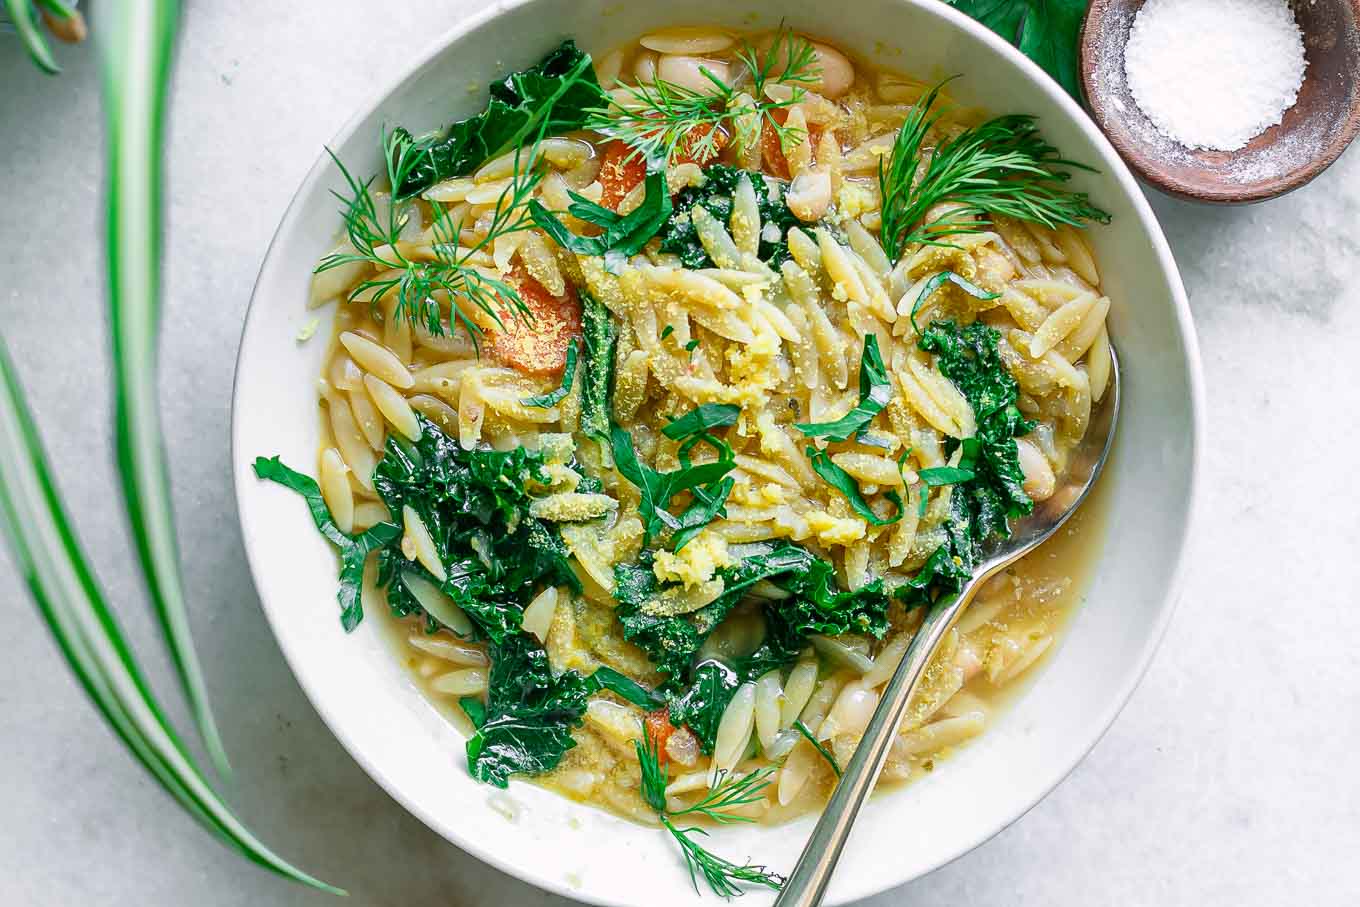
(680, 237)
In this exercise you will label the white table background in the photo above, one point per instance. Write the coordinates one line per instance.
(1229, 779)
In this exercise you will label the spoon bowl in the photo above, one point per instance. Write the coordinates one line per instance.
(1312, 135)
(807, 884)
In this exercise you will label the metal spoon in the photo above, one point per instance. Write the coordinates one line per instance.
(809, 880)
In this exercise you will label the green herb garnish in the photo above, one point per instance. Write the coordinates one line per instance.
(724, 877)
(945, 475)
(375, 233)
(707, 483)
(817, 745)
(701, 419)
(938, 280)
(1002, 167)
(551, 399)
(621, 234)
(659, 117)
(874, 393)
(845, 483)
(597, 381)
(547, 99)
(680, 237)
(354, 550)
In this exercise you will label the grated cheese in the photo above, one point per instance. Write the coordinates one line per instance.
(1214, 74)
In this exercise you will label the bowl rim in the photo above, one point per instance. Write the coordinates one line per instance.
(1218, 193)
(1188, 353)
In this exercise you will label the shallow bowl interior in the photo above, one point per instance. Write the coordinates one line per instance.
(1312, 135)
(375, 710)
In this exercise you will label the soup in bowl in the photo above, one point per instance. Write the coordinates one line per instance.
(659, 394)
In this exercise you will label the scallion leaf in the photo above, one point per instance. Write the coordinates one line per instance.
(874, 393)
(701, 419)
(937, 281)
(137, 45)
(945, 475)
(845, 483)
(620, 234)
(58, 574)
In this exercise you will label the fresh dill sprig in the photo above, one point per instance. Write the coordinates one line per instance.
(723, 876)
(658, 117)
(1001, 167)
(375, 233)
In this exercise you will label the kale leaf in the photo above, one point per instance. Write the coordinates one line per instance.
(969, 358)
(1046, 31)
(529, 713)
(679, 235)
(597, 380)
(526, 723)
(699, 693)
(700, 708)
(474, 503)
(354, 550)
(549, 98)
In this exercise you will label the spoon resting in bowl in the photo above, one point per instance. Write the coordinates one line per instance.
(808, 882)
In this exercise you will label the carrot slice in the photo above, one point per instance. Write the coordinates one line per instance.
(687, 150)
(536, 344)
(657, 725)
(773, 151)
(620, 171)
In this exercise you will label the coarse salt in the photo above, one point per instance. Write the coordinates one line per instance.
(1214, 74)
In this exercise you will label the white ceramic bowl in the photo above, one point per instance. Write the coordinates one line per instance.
(373, 707)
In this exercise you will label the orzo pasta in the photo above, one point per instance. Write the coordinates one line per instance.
(663, 394)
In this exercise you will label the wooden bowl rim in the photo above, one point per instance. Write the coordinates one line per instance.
(1145, 165)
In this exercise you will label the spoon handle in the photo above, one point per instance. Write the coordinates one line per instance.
(808, 882)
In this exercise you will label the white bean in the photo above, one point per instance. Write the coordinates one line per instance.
(809, 195)
(686, 40)
(689, 72)
(644, 67)
(851, 713)
(834, 73)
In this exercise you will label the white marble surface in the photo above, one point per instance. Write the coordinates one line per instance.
(1229, 779)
